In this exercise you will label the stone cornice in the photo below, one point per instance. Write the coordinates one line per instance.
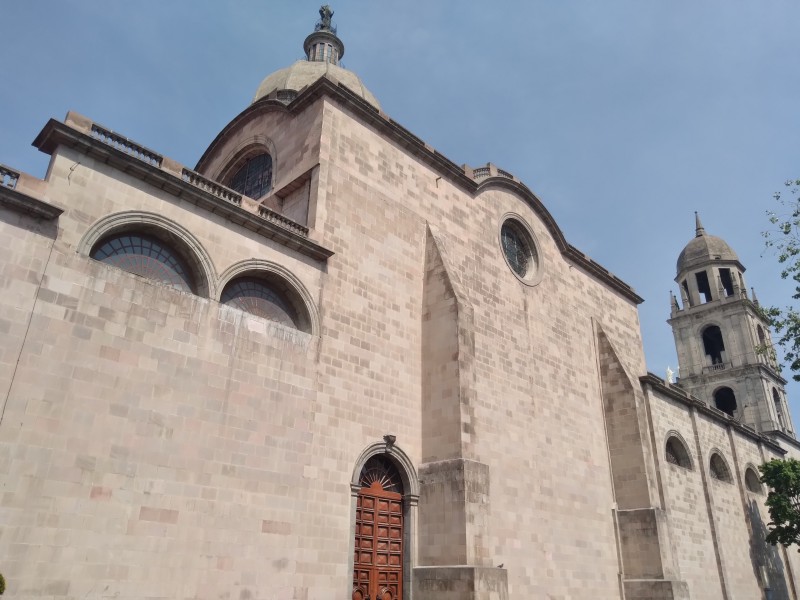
(25, 204)
(678, 394)
(171, 181)
(455, 174)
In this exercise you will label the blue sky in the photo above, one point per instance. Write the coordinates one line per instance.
(623, 116)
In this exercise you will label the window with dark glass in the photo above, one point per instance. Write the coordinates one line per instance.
(146, 256)
(752, 481)
(259, 297)
(719, 470)
(517, 248)
(677, 454)
(254, 178)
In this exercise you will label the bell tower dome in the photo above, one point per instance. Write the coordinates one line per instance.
(724, 345)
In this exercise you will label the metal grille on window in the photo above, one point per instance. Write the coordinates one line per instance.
(516, 249)
(718, 469)
(259, 298)
(254, 178)
(380, 470)
(145, 256)
(672, 457)
(676, 453)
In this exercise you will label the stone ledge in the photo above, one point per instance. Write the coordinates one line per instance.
(655, 589)
(57, 134)
(25, 204)
(460, 582)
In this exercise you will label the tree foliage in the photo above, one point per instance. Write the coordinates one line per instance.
(783, 501)
(784, 239)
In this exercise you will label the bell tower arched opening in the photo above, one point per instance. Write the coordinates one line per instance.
(713, 344)
(725, 400)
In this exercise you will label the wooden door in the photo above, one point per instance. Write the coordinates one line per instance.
(378, 563)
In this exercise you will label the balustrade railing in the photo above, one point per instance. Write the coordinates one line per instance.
(277, 218)
(125, 145)
(504, 174)
(212, 187)
(8, 178)
(481, 172)
(716, 367)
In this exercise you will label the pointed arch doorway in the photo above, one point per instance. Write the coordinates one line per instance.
(379, 533)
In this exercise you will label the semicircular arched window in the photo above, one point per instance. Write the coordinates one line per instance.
(254, 177)
(146, 256)
(262, 298)
(677, 454)
(719, 470)
(752, 481)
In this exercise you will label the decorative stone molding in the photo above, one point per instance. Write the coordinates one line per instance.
(404, 465)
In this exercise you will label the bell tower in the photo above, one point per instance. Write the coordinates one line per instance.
(725, 351)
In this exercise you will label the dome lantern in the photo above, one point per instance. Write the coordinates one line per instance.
(323, 45)
(323, 51)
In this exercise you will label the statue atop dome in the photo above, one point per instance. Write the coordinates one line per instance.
(323, 50)
(325, 16)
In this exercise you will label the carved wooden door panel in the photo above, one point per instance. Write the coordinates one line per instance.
(378, 564)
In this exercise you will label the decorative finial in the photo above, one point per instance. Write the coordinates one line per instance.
(698, 226)
(755, 299)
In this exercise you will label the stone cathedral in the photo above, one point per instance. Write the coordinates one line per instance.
(328, 362)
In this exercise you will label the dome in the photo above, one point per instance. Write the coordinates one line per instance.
(703, 249)
(323, 50)
(304, 73)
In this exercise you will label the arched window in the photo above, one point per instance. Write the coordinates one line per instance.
(752, 481)
(379, 536)
(762, 339)
(776, 398)
(677, 454)
(146, 256)
(725, 400)
(254, 177)
(713, 344)
(262, 297)
(718, 469)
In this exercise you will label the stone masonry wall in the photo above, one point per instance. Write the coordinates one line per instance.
(718, 526)
(538, 413)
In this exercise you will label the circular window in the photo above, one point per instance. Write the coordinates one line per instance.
(519, 250)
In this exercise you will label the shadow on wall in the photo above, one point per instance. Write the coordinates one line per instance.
(766, 559)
